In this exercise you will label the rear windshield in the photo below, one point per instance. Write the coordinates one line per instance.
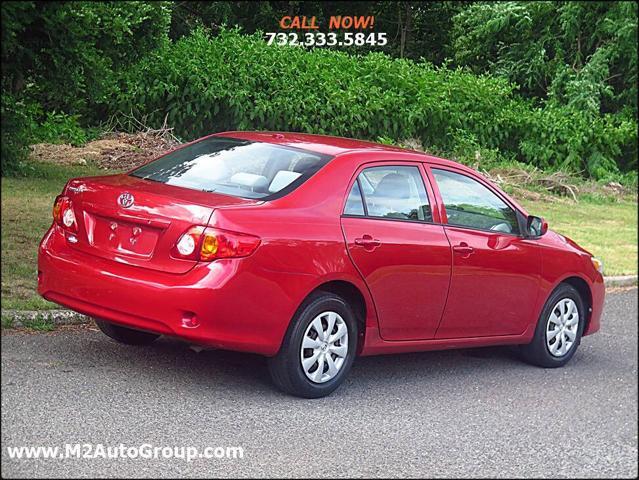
(235, 167)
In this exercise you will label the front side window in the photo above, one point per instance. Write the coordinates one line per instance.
(235, 167)
(470, 204)
(391, 192)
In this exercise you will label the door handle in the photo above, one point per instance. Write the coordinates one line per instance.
(463, 249)
(368, 242)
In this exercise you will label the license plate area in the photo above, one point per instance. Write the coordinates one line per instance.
(119, 236)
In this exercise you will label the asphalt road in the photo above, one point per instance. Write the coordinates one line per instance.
(456, 413)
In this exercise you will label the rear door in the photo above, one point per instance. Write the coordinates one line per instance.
(496, 272)
(398, 247)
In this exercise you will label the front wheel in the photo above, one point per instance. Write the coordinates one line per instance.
(559, 329)
(125, 335)
(318, 349)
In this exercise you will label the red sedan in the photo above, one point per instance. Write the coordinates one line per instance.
(312, 250)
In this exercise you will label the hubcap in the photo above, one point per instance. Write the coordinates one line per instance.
(561, 328)
(324, 347)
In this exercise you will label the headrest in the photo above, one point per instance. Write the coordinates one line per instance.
(393, 185)
(282, 179)
(249, 180)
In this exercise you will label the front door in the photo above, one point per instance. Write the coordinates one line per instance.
(401, 253)
(496, 271)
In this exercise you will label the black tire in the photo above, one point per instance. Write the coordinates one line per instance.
(286, 367)
(126, 335)
(537, 351)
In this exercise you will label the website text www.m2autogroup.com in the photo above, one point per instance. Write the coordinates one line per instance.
(144, 451)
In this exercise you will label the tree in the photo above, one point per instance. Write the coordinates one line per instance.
(583, 54)
(66, 55)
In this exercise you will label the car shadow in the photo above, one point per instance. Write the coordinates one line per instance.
(180, 365)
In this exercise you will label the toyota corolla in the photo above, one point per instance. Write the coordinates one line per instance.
(313, 250)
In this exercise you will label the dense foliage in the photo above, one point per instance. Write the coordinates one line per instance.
(234, 81)
(15, 134)
(416, 29)
(582, 54)
(67, 55)
(552, 84)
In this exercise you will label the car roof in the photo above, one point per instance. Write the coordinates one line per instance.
(324, 144)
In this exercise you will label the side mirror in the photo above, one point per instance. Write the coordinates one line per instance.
(536, 226)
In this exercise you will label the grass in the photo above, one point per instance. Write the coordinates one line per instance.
(40, 324)
(7, 321)
(26, 216)
(606, 228)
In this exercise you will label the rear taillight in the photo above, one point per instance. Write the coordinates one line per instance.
(63, 213)
(208, 244)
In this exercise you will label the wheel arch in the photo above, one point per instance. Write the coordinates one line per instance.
(585, 292)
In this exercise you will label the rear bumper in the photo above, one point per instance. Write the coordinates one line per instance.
(236, 309)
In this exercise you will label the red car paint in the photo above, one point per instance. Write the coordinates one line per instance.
(423, 286)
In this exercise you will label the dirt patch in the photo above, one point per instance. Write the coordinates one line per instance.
(114, 151)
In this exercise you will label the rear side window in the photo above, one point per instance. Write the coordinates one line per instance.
(470, 204)
(390, 192)
(354, 203)
(235, 167)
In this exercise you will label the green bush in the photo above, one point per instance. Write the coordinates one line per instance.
(68, 56)
(581, 54)
(235, 81)
(202, 84)
(557, 137)
(24, 123)
(62, 128)
(17, 124)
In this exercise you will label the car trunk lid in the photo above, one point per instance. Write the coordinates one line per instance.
(136, 221)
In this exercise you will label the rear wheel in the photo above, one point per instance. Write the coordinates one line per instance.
(318, 349)
(126, 335)
(559, 329)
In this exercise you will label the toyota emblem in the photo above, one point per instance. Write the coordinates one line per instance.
(125, 200)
